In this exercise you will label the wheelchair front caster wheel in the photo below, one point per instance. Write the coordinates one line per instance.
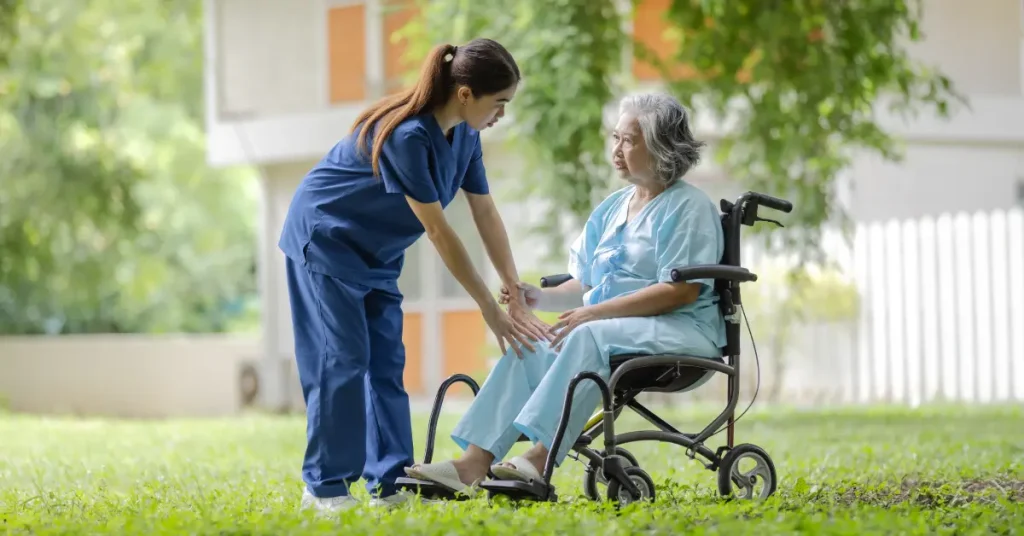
(621, 496)
(594, 475)
(746, 472)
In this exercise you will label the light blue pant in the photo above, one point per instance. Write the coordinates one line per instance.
(525, 396)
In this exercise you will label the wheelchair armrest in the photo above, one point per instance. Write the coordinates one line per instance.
(713, 271)
(554, 280)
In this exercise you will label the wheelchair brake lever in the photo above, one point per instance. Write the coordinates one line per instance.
(769, 221)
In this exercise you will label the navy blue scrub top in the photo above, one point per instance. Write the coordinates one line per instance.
(346, 223)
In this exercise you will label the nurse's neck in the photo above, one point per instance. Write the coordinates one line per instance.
(448, 116)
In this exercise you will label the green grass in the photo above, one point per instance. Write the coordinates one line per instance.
(930, 471)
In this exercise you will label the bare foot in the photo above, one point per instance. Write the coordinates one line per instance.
(470, 471)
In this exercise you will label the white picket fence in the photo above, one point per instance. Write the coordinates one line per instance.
(940, 318)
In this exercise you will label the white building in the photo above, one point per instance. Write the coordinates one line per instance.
(285, 79)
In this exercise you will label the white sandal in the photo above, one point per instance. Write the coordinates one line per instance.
(521, 469)
(443, 473)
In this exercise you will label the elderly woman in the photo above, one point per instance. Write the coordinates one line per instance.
(621, 300)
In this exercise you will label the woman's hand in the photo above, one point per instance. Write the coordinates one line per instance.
(528, 293)
(521, 314)
(569, 320)
(506, 330)
(527, 322)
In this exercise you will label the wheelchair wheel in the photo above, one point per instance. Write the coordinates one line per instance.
(753, 481)
(621, 496)
(593, 475)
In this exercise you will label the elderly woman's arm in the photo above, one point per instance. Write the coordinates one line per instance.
(654, 300)
(568, 295)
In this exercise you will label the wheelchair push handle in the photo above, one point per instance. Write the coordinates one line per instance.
(771, 202)
(554, 280)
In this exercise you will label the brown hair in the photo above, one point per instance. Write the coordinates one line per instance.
(483, 65)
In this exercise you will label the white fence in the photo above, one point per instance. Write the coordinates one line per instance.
(945, 309)
(939, 315)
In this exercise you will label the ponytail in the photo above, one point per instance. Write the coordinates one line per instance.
(431, 90)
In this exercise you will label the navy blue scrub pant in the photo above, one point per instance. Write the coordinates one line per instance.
(350, 356)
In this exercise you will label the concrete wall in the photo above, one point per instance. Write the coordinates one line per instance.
(125, 375)
(937, 178)
(267, 51)
(977, 44)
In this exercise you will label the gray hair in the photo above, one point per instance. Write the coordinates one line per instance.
(665, 125)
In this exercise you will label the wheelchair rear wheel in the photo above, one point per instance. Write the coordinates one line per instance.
(757, 482)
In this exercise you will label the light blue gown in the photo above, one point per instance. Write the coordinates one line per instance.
(611, 258)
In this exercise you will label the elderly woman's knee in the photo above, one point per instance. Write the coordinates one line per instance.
(587, 337)
(583, 333)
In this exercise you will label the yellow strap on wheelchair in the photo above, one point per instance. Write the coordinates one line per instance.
(597, 418)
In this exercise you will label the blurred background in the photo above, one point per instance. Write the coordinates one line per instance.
(149, 150)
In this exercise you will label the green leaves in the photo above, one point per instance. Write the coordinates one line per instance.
(808, 95)
(110, 219)
(9, 10)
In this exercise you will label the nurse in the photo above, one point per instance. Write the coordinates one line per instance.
(621, 300)
(349, 224)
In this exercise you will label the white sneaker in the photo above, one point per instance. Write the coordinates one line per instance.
(327, 505)
(392, 501)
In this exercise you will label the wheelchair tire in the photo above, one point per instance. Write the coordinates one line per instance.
(729, 475)
(593, 475)
(618, 494)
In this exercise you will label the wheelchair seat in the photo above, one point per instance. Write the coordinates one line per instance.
(666, 379)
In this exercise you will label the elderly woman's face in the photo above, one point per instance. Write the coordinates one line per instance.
(629, 153)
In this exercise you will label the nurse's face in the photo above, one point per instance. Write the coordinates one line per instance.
(485, 110)
(629, 153)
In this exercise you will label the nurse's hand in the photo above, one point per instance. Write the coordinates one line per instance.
(527, 322)
(506, 330)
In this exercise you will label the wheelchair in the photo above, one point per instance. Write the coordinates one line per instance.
(632, 375)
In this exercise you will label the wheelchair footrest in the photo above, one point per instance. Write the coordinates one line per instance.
(536, 490)
(432, 491)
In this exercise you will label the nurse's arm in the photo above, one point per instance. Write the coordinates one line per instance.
(495, 238)
(452, 251)
(654, 300)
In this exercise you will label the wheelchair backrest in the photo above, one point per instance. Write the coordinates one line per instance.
(728, 293)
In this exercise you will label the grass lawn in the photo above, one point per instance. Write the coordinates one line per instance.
(930, 471)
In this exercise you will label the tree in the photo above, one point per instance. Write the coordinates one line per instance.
(110, 220)
(798, 80)
(8, 15)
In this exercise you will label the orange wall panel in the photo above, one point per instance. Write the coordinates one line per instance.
(398, 13)
(412, 337)
(346, 52)
(464, 346)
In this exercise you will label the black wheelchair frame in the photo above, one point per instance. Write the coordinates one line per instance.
(635, 374)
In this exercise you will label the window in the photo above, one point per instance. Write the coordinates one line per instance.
(461, 220)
